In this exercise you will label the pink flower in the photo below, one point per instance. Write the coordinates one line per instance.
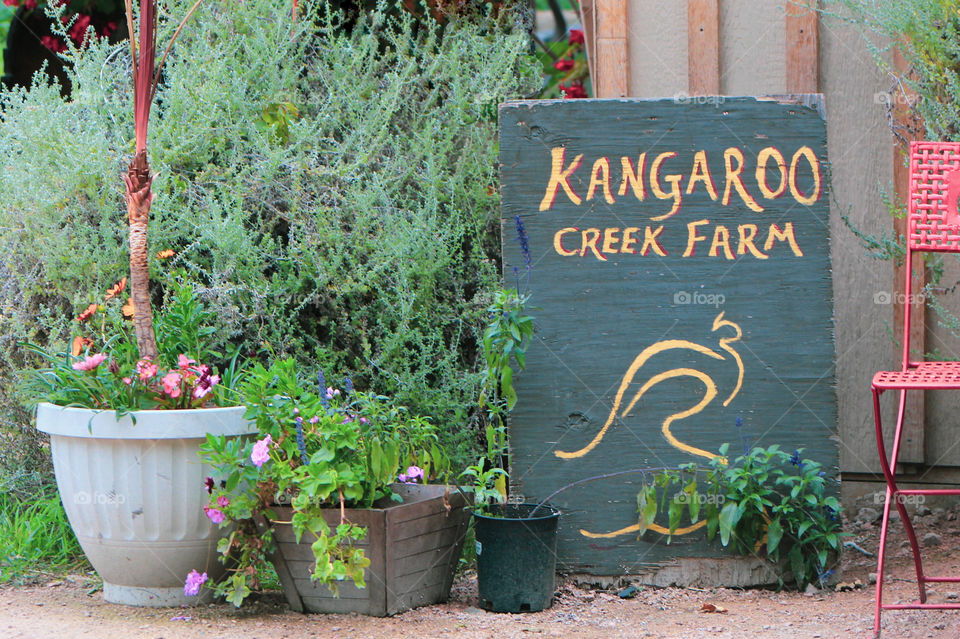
(183, 361)
(261, 451)
(29, 5)
(146, 370)
(90, 362)
(191, 586)
(12, 3)
(171, 384)
(215, 515)
(223, 501)
(563, 64)
(78, 32)
(127, 381)
(576, 36)
(332, 392)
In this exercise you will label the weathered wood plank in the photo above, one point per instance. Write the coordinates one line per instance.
(683, 300)
(612, 65)
(703, 47)
(802, 46)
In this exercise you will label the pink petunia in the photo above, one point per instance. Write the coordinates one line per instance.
(223, 501)
(183, 361)
(171, 384)
(215, 515)
(90, 362)
(261, 451)
(191, 586)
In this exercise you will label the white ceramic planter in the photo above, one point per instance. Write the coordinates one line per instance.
(134, 492)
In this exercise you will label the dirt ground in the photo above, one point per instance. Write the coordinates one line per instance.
(67, 609)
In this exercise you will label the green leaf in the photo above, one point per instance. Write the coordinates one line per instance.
(729, 516)
(675, 512)
(774, 534)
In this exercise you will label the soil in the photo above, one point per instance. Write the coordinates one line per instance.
(72, 607)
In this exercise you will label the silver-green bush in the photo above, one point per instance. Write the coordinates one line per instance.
(331, 192)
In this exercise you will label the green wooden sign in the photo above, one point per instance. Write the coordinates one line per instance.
(680, 274)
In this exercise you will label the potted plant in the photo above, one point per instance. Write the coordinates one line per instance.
(126, 414)
(125, 432)
(516, 543)
(333, 493)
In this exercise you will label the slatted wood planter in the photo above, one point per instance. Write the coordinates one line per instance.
(413, 547)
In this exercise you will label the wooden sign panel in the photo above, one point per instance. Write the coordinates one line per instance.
(681, 283)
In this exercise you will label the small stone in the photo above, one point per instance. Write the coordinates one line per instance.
(931, 539)
(811, 590)
(868, 515)
(872, 578)
(923, 510)
(952, 595)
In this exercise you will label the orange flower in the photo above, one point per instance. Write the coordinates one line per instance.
(79, 343)
(115, 290)
(87, 313)
(127, 309)
(166, 254)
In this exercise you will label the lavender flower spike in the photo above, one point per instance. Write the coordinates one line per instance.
(301, 444)
(322, 380)
(523, 239)
(348, 384)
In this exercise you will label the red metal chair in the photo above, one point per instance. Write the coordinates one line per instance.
(933, 226)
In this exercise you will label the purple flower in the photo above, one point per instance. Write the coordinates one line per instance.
(412, 475)
(223, 501)
(191, 587)
(332, 392)
(522, 236)
(314, 419)
(348, 384)
(208, 482)
(261, 451)
(215, 515)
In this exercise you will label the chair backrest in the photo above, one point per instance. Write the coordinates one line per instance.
(934, 223)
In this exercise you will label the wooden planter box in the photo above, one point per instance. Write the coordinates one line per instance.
(413, 547)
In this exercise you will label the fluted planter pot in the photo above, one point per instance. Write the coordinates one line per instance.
(134, 493)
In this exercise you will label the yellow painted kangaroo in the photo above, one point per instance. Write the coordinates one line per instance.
(709, 395)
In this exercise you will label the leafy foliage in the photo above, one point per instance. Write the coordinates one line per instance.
(319, 447)
(330, 194)
(766, 502)
(35, 536)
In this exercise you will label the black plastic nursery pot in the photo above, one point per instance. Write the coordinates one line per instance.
(516, 557)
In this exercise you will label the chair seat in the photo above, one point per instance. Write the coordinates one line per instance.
(927, 375)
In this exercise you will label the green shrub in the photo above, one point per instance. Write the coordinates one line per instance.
(330, 195)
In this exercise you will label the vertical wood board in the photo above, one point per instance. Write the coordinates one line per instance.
(802, 46)
(674, 312)
(703, 47)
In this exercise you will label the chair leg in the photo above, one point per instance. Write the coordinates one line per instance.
(881, 552)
